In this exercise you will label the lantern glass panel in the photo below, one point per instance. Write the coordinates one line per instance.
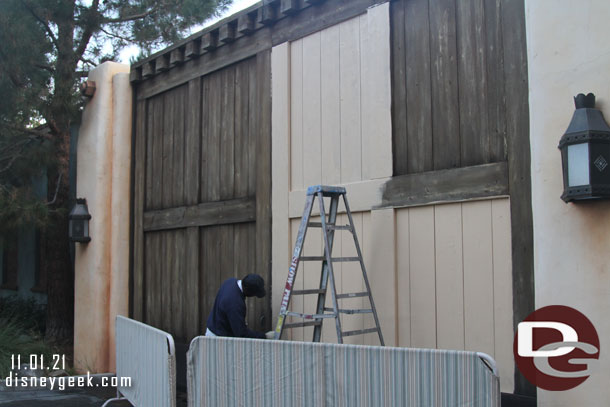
(578, 164)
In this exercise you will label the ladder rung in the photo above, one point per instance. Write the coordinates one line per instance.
(355, 311)
(302, 324)
(334, 259)
(359, 332)
(343, 259)
(352, 295)
(306, 292)
(318, 224)
(330, 226)
(309, 316)
(312, 258)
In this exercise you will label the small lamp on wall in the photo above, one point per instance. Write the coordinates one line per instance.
(79, 222)
(585, 153)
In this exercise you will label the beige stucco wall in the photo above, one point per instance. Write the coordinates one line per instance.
(569, 53)
(103, 178)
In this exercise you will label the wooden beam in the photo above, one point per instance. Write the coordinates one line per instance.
(226, 33)
(209, 41)
(453, 185)
(176, 57)
(246, 24)
(192, 49)
(206, 214)
(162, 63)
(206, 63)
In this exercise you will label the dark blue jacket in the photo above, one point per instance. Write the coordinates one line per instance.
(228, 317)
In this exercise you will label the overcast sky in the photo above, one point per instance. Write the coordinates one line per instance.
(234, 8)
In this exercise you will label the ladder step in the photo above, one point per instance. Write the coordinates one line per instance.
(351, 311)
(306, 292)
(359, 332)
(309, 316)
(334, 259)
(330, 226)
(353, 295)
(302, 324)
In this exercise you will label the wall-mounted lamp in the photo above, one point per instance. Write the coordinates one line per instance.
(585, 153)
(79, 222)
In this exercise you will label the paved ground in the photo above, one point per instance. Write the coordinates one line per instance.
(69, 397)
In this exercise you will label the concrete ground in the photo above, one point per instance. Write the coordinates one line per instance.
(93, 396)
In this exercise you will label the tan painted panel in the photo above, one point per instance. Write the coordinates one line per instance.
(351, 280)
(403, 278)
(312, 115)
(423, 285)
(349, 68)
(503, 292)
(449, 276)
(478, 277)
(381, 269)
(331, 107)
(296, 115)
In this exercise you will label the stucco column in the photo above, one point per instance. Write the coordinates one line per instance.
(569, 53)
(103, 178)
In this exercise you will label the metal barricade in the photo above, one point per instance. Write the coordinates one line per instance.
(147, 356)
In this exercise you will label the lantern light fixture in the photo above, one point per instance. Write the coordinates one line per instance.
(79, 222)
(585, 153)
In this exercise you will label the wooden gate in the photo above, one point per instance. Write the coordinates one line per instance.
(202, 178)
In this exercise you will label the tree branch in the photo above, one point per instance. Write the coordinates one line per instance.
(43, 22)
(87, 32)
(125, 19)
(120, 37)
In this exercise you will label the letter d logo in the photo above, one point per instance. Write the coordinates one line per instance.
(526, 338)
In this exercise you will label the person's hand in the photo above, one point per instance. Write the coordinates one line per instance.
(270, 335)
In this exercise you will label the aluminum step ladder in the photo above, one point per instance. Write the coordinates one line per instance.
(329, 227)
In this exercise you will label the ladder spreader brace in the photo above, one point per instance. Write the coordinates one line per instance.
(328, 231)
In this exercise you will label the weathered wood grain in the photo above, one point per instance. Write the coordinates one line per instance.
(139, 165)
(227, 134)
(459, 184)
(399, 87)
(204, 214)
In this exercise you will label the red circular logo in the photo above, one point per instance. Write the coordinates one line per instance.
(556, 347)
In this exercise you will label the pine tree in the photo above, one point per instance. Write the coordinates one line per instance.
(46, 48)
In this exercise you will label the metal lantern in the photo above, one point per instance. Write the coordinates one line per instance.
(585, 153)
(79, 222)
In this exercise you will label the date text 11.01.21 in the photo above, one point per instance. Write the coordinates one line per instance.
(35, 362)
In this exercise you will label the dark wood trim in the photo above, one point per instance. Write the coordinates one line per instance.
(207, 63)
(316, 18)
(519, 161)
(205, 214)
(459, 184)
(263, 176)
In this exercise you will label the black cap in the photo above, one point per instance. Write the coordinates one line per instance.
(253, 285)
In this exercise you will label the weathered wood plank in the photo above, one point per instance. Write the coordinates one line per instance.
(519, 157)
(179, 299)
(204, 214)
(419, 140)
(191, 288)
(227, 134)
(207, 63)
(167, 186)
(215, 124)
(472, 76)
(443, 67)
(399, 86)
(496, 106)
(263, 174)
(156, 132)
(459, 184)
(204, 139)
(148, 283)
(166, 276)
(242, 130)
(253, 119)
(192, 142)
(137, 270)
(177, 195)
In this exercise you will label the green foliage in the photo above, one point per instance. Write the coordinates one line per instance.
(46, 48)
(21, 330)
